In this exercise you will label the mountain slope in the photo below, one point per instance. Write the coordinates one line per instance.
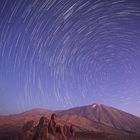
(105, 115)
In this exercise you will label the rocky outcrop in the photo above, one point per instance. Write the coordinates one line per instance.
(27, 131)
(47, 130)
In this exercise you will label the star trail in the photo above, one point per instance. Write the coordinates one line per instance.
(58, 54)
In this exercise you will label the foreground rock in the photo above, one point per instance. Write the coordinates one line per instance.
(47, 130)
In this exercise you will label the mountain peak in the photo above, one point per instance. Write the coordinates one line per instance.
(95, 105)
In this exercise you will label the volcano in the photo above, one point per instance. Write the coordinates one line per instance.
(96, 121)
(103, 115)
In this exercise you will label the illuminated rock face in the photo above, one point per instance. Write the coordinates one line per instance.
(41, 131)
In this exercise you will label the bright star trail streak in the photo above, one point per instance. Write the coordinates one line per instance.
(58, 54)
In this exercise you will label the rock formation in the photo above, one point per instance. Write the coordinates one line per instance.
(27, 131)
(47, 130)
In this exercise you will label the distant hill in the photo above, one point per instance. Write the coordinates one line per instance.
(89, 121)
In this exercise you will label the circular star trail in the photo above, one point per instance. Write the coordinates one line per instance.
(63, 53)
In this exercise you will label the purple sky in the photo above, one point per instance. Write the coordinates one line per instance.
(59, 54)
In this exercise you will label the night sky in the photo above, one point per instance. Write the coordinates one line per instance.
(59, 54)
